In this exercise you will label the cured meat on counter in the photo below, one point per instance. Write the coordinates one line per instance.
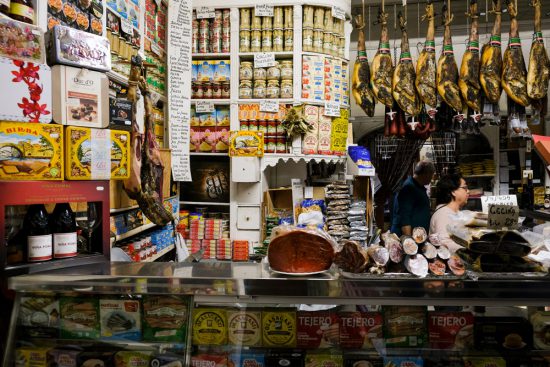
(352, 258)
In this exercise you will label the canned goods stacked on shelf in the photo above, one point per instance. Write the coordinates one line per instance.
(210, 79)
(272, 82)
(210, 131)
(322, 32)
(252, 119)
(123, 45)
(212, 35)
(267, 34)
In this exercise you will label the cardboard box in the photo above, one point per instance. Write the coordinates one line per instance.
(405, 326)
(81, 98)
(26, 91)
(280, 199)
(120, 319)
(31, 151)
(359, 330)
(32, 356)
(79, 318)
(165, 318)
(318, 329)
(451, 330)
(96, 154)
(39, 317)
(503, 333)
(542, 147)
(247, 359)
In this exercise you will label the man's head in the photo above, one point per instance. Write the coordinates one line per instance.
(423, 172)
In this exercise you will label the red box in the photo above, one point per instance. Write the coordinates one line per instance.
(359, 329)
(317, 329)
(451, 330)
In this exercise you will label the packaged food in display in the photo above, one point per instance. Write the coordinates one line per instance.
(325, 132)
(222, 71)
(503, 333)
(317, 329)
(360, 330)
(403, 361)
(39, 317)
(120, 113)
(247, 359)
(79, 318)
(64, 357)
(80, 97)
(31, 151)
(165, 318)
(222, 136)
(405, 326)
(207, 118)
(541, 330)
(103, 358)
(168, 360)
(27, 91)
(77, 48)
(324, 358)
(362, 359)
(132, 358)
(222, 116)
(451, 330)
(96, 154)
(209, 326)
(32, 356)
(339, 134)
(492, 361)
(28, 38)
(209, 359)
(279, 328)
(120, 319)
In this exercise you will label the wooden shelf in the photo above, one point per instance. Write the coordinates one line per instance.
(160, 254)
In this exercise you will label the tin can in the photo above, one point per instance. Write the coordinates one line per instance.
(245, 71)
(278, 39)
(259, 89)
(217, 21)
(226, 18)
(287, 89)
(289, 39)
(244, 40)
(273, 89)
(244, 126)
(273, 72)
(253, 125)
(260, 74)
(204, 44)
(245, 89)
(262, 126)
(307, 39)
(280, 144)
(195, 44)
(244, 18)
(204, 27)
(226, 40)
(271, 127)
(256, 40)
(216, 90)
(207, 90)
(226, 90)
(216, 39)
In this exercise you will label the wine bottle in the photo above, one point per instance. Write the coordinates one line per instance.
(39, 234)
(64, 231)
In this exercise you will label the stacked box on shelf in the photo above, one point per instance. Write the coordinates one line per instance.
(210, 131)
(324, 79)
(82, 15)
(210, 79)
(224, 249)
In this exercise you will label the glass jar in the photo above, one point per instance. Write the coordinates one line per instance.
(256, 40)
(245, 18)
(244, 126)
(259, 89)
(256, 21)
(216, 90)
(274, 72)
(286, 70)
(307, 39)
(226, 90)
(271, 144)
(278, 17)
(267, 24)
(289, 39)
(280, 130)
(319, 17)
(318, 40)
(253, 125)
(327, 43)
(267, 40)
(273, 89)
(262, 126)
(272, 127)
(244, 40)
(280, 144)
(198, 91)
(260, 74)
(245, 89)
(286, 89)
(278, 40)
(207, 90)
(245, 72)
(308, 16)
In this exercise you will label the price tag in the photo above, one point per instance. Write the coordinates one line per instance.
(264, 60)
(269, 105)
(263, 10)
(332, 109)
(338, 13)
(126, 26)
(503, 216)
(204, 12)
(366, 171)
(498, 200)
(204, 107)
(156, 49)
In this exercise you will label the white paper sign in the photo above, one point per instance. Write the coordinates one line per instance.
(264, 59)
(204, 107)
(503, 216)
(126, 26)
(338, 13)
(269, 105)
(204, 12)
(156, 49)
(498, 200)
(263, 10)
(179, 85)
(332, 109)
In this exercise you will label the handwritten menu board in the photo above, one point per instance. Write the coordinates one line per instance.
(179, 85)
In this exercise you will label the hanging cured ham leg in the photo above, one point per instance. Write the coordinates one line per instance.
(490, 72)
(360, 82)
(539, 68)
(426, 65)
(382, 66)
(469, 69)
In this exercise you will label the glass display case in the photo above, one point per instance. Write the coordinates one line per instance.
(243, 314)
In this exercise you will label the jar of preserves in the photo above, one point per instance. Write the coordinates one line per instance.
(278, 40)
(226, 90)
(22, 10)
(262, 126)
(289, 39)
(273, 89)
(267, 40)
(253, 125)
(286, 89)
(244, 125)
(260, 74)
(286, 70)
(307, 39)
(207, 90)
(271, 145)
(280, 144)
(259, 89)
(245, 72)
(244, 40)
(274, 72)
(216, 90)
(272, 127)
(256, 40)
(245, 89)
(318, 40)
(198, 91)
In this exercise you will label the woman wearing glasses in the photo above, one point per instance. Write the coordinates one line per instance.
(452, 195)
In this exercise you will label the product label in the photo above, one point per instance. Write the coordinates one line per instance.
(332, 109)
(126, 26)
(268, 105)
(317, 330)
(204, 107)
(83, 93)
(205, 12)
(244, 328)
(338, 13)
(100, 154)
(209, 327)
(453, 330)
(64, 245)
(359, 330)
(39, 247)
(264, 60)
(22, 10)
(279, 329)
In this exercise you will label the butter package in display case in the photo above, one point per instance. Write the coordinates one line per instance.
(29, 41)
(80, 97)
(26, 91)
(31, 151)
(96, 154)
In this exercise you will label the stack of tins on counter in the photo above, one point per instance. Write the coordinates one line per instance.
(212, 35)
(101, 319)
(329, 134)
(210, 79)
(266, 34)
(269, 123)
(271, 83)
(322, 33)
(210, 130)
(325, 79)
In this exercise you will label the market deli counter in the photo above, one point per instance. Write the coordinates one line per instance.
(242, 314)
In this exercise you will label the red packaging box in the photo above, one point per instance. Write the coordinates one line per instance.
(317, 329)
(451, 330)
(358, 330)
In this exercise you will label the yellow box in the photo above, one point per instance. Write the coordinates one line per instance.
(32, 356)
(31, 151)
(96, 154)
(209, 326)
(279, 328)
(244, 328)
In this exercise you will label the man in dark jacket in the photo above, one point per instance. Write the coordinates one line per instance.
(411, 207)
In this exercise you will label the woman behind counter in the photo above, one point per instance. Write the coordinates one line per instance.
(452, 195)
